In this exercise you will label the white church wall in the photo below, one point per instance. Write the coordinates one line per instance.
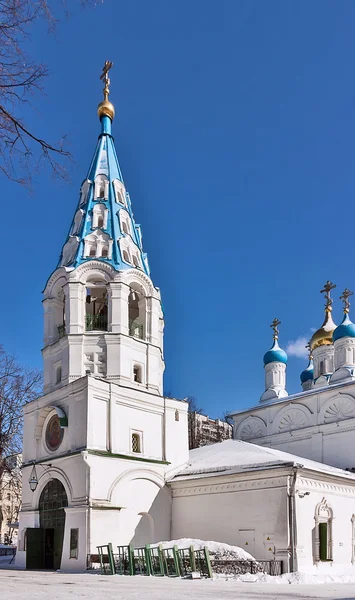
(148, 426)
(124, 495)
(338, 448)
(246, 511)
(339, 496)
(176, 433)
(317, 425)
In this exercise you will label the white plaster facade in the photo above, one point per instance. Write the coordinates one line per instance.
(270, 505)
(112, 491)
(317, 424)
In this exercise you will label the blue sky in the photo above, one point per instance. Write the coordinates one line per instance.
(235, 128)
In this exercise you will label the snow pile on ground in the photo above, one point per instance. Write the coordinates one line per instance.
(217, 550)
(289, 578)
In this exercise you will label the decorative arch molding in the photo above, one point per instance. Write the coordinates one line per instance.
(45, 477)
(323, 516)
(85, 270)
(323, 511)
(133, 276)
(251, 428)
(42, 417)
(55, 284)
(129, 475)
(51, 281)
(292, 417)
(337, 408)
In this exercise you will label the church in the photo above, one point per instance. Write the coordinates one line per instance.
(105, 454)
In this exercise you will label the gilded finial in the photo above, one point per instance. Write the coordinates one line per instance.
(326, 291)
(105, 107)
(345, 298)
(274, 326)
(308, 346)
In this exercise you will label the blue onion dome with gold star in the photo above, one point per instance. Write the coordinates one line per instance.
(308, 373)
(324, 335)
(103, 227)
(346, 327)
(275, 354)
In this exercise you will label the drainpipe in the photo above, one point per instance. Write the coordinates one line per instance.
(88, 515)
(292, 522)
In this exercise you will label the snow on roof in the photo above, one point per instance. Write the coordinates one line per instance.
(235, 456)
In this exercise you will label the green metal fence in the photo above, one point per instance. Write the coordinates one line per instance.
(155, 561)
(106, 559)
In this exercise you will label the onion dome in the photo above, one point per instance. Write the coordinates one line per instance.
(275, 354)
(324, 335)
(308, 373)
(346, 327)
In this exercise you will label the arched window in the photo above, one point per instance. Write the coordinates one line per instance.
(101, 187)
(323, 539)
(136, 442)
(126, 256)
(135, 260)
(119, 192)
(125, 227)
(177, 415)
(99, 216)
(137, 373)
(97, 244)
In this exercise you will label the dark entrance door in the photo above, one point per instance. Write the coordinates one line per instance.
(45, 544)
(35, 548)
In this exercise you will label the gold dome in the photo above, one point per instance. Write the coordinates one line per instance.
(106, 108)
(324, 335)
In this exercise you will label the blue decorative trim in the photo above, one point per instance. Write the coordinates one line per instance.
(104, 162)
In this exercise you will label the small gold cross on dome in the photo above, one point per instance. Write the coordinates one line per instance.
(105, 78)
(274, 326)
(345, 298)
(308, 346)
(326, 291)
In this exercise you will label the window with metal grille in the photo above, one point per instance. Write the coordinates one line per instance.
(136, 442)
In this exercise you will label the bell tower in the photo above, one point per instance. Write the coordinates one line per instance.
(102, 440)
(102, 313)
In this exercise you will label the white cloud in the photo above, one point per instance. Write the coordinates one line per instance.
(298, 347)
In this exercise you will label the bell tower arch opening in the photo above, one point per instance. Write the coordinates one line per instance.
(137, 312)
(96, 306)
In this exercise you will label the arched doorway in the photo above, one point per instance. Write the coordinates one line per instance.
(45, 544)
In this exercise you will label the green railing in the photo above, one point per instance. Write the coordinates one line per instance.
(61, 331)
(96, 322)
(136, 329)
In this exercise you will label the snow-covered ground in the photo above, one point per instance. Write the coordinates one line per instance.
(21, 585)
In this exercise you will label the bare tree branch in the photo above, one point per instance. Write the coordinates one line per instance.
(22, 151)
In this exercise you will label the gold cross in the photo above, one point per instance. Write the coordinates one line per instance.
(326, 291)
(345, 298)
(308, 346)
(273, 326)
(105, 78)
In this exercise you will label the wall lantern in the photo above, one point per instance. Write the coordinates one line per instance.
(33, 480)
